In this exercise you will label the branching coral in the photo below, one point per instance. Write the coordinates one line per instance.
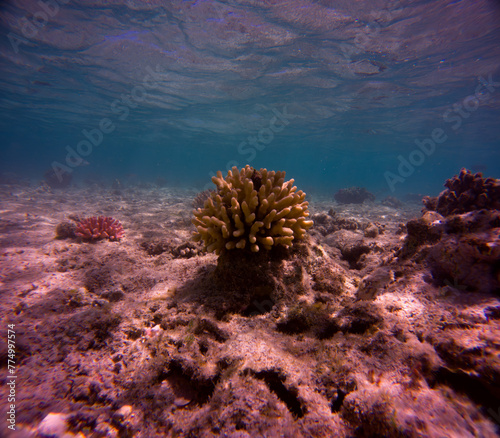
(102, 227)
(251, 209)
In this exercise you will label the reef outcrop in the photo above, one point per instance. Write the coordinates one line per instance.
(458, 235)
(468, 254)
(251, 210)
(465, 192)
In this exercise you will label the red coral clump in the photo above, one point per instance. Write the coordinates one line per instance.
(102, 227)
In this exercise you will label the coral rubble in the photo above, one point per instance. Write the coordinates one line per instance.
(466, 192)
(251, 209)
(329, 223)
(97, 228)
(353, 195)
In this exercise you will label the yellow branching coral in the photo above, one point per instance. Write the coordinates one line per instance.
(251, 209)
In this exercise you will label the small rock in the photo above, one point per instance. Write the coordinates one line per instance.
(124, 411)
(65, 230)
(371, 231)
(53, 426)
(351, 245)
(113, 296)
(432, 218)
(126, 420)
(372, 284)
(99, 303)
(106, 429)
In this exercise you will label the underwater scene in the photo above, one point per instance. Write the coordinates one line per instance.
(250, 218)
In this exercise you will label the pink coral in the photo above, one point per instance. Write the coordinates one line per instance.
(102, 227)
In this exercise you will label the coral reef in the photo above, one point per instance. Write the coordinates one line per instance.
(97, 228)
(338, 335)
(353, 195)
(466, 192)
(252, 209)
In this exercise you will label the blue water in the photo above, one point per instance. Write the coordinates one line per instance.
(395, 96)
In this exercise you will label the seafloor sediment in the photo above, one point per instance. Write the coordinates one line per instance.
(359, 331)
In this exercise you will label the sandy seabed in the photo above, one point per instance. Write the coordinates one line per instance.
(349, 334)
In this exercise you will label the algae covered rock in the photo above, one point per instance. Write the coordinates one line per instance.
(251, 209)
(468, 254)
(466, 192)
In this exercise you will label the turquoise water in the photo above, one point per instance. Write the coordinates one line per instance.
(395, 96)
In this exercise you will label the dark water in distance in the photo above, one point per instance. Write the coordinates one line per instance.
(395, 95)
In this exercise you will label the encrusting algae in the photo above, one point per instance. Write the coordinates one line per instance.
(251, 209)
